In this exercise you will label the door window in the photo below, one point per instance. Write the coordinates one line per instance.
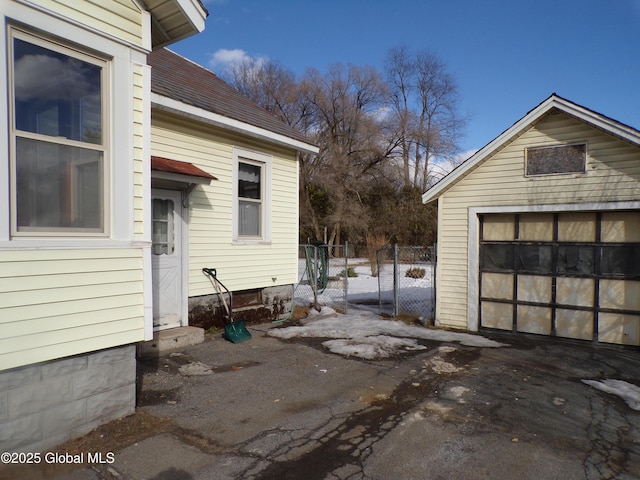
(163, 227)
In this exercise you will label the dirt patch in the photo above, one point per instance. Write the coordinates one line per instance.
(111, 437)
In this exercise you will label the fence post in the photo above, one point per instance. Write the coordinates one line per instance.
(396, 282)
(346, 277)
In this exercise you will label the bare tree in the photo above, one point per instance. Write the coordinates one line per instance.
(346, 103)
(424, 101)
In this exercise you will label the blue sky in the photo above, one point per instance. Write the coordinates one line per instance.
(506, 55)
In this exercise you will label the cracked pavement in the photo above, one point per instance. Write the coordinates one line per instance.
(274, 409)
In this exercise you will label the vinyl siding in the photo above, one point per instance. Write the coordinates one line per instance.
(60, 298)
(57, 303)
(240, 266)
(612, 174)
(119, 18)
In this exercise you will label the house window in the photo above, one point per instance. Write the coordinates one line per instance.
(556, 159)
(59, 154)
(251, 195)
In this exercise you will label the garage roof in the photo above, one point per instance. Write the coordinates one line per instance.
(553, 102)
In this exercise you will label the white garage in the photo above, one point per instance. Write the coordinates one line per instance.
(539, 232)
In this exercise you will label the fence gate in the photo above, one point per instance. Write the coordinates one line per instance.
(406, 281)
(322, 275)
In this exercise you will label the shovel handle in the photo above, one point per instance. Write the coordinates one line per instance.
(210, 271)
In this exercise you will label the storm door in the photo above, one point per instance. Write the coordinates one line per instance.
(167, 258)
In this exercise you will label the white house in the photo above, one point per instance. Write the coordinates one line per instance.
(539, 231)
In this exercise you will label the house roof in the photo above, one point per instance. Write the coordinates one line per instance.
(186, 88)
(552, 103)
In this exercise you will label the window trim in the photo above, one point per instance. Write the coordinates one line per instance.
(15, 32)
(264, 161)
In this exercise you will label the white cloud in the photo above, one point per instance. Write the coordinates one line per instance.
(225, 59)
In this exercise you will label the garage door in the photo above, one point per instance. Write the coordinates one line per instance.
(571, 275)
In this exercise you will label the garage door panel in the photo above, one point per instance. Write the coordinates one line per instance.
(619, 328)
(620, 294)
(536, 227)
(534, 319)
(577, 227)
(575, 291)
(499, 227)
(532, 288)
(620, 227)
(576, 324)
(497, 285)
(497, 315)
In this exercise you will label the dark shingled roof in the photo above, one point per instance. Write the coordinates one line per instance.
(175, 77)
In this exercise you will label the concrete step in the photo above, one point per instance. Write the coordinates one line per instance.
(171, 339)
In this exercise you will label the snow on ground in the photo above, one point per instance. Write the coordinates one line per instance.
(363, 332)
(362, 291)
(367, 335)
(629, 392)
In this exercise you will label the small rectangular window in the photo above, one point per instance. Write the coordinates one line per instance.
(251, 196)
(556, 159)
(250, 199)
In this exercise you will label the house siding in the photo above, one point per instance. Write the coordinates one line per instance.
(240, 266)
(64, 297)
(121, 19)
(612, 174)
(92, 299)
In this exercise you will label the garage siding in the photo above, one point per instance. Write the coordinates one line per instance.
(612, 174)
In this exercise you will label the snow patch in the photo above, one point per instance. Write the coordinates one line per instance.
(629, 392)
(367, 336)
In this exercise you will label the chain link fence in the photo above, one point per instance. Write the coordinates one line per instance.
(406, 281)
(322, 276)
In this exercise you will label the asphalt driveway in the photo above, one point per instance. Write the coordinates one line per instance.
(270, 408)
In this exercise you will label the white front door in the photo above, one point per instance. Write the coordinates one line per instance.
(167, 258)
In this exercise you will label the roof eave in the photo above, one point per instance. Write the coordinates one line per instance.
(554, 101)
(174, 106)
(176, 20)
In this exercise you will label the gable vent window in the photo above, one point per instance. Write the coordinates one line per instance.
(556, 160)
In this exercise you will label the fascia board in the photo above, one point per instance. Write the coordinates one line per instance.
(194, 12)
(171, 105)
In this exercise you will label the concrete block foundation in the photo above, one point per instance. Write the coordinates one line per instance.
(45, 404)
(252, 306)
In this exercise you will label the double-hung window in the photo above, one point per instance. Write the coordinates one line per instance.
(251, 195)
(59, 138)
